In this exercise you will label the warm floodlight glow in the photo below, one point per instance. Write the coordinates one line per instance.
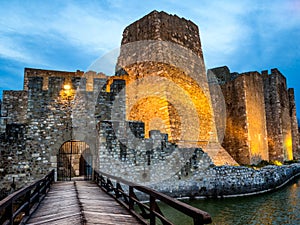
(67, 86)
(277, 163)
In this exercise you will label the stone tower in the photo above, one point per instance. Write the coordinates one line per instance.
(166, 85)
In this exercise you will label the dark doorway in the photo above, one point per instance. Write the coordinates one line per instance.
(74, 159)
(86, 163)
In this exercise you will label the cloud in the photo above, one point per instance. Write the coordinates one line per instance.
(88, 28)
(232, 32)
(10, 49)
(222, 28)
(247, 36)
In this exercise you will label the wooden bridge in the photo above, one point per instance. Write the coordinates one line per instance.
(105, 200)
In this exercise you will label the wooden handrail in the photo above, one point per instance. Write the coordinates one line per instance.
(18, 207)
(150, 212)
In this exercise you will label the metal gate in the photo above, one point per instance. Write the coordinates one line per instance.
(74, 159)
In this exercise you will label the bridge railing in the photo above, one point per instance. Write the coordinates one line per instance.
(148, 213)
(17, 207)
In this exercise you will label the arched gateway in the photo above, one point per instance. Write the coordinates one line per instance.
(74, 159)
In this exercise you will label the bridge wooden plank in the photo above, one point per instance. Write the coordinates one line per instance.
(62, 206)
(99, 208)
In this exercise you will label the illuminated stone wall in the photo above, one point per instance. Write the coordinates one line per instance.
(166, 83)
(294, 124)
(236, 137)
(261, 116)
(278, 116)
(168, 101)
(245, 134)
(256, 117)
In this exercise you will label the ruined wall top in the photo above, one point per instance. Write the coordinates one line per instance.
(223, 74)
(47, 76)
(162, 26)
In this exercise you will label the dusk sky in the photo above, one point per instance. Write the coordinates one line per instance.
(248, 35)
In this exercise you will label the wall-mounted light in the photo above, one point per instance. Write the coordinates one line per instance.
(67, 92)
(67, 86)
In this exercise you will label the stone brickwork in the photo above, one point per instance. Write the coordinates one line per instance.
(40, 119)
(166, 84)
(14, 106)
(294, 124)
(278, 116)
(245, 135)
(260, 116)
(15, 161)
(164, 27)
(256, 122)
(229, 181)
(123, 150)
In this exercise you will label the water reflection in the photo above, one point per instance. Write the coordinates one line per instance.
(280, 207)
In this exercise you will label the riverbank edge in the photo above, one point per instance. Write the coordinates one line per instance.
(260, 192)
(229, 182)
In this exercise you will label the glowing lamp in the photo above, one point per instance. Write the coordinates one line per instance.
(67, 86)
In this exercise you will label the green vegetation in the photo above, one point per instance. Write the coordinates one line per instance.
(264, 163)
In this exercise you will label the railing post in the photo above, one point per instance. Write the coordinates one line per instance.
(198, 221)
(131, 195)
(10, 212)
(44, 186)
(152, 209)
(27, 199)
(39, 191)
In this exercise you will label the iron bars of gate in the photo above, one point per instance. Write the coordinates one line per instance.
(19, 206)
(148, 213)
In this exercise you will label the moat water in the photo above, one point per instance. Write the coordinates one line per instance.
(279, 207)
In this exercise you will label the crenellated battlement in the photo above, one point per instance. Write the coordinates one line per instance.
(53, 80)
(164, 27)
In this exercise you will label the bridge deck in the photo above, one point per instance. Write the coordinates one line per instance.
(80, 202)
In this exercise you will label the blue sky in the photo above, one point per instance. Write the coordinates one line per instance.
(245, 35)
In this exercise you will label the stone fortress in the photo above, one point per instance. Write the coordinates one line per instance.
(159, 114)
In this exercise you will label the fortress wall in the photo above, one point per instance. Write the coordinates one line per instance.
(170, 58)
(49, 123)
(14, 106)
(45, 111)
(259, 110)
(294, 123)
(278, 116)
(256, 117)
(236, 134)
(14, 163)
(46, 74)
